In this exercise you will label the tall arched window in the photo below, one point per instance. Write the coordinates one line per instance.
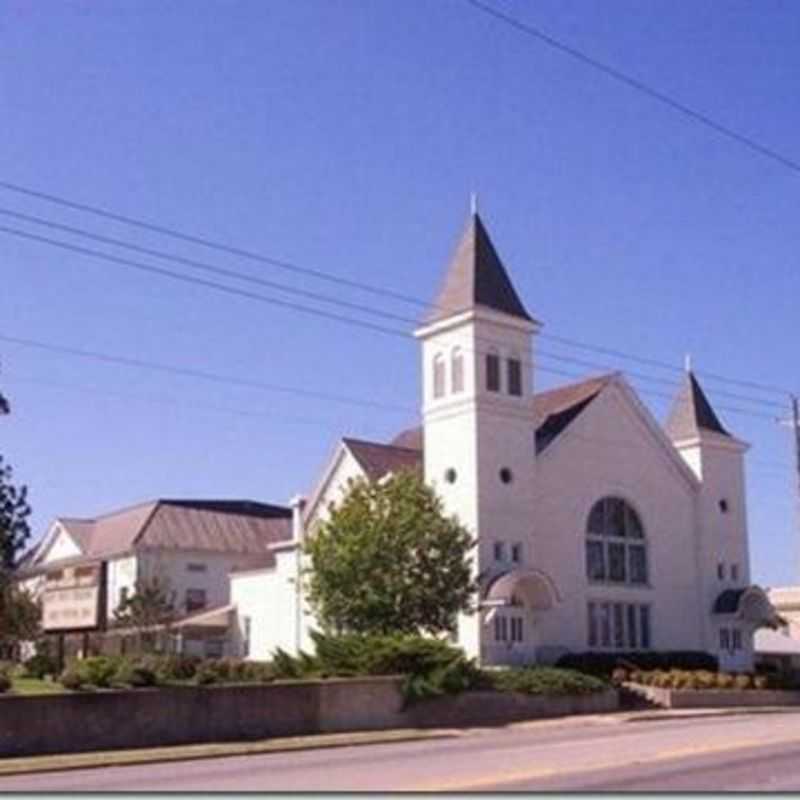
(514, 364)
(456, 370)
(616, 551)
(438, 375)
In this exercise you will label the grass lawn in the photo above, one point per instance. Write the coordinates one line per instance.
(35, 686)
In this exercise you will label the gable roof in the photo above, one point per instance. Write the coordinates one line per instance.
(378, 460)
(476, 277)
(554, 410)
(691, 412)
(231, 526)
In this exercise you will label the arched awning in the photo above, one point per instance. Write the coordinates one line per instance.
(750, 604)
(531, 587)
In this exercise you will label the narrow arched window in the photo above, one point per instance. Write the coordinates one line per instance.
(438, 375)
(493, 371)
(456, 370)
(616, 550)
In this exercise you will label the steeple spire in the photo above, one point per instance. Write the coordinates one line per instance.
(691, 411)
(476, 277)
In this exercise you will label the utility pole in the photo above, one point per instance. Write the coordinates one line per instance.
(795, 424)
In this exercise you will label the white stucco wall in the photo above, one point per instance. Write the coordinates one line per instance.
(62, 546)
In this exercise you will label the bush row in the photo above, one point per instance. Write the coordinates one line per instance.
(5, 677)
(604, 664)
(543, 680)
(704, 679)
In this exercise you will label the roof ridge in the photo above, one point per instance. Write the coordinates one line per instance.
(387, 445)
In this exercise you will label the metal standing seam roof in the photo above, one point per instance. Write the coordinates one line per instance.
(229, 526)
(476, 277)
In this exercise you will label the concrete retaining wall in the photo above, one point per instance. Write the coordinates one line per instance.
(715, 698)
(108, 720)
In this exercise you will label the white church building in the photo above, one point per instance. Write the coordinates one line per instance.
(597, 527)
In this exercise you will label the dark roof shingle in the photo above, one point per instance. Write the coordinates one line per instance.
(476, 277)
(691, 412)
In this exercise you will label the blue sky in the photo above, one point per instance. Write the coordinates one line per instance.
(346, 136)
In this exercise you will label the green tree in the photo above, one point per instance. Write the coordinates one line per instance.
(20, 619)
(14, 512)
(388, 560)
(148, 612)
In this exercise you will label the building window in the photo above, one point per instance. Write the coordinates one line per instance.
(724, 639)
(500, 628)
(450, 475)
(514, 376)
(457, 370)
(438, 375)
(493, 372)
(499, 551)
(516, 552)
(506, 475)
(736, 639)
(592, 621)
(196, 567)
(615, 547)
(734, 572)
(195, 599)
(214, 648)
(618, 625)
(247, 626)
(721, 570)
(516, 629)
(723, 506)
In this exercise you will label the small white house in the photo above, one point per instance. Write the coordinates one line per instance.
(597, 527)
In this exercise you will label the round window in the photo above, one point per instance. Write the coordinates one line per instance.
(450, 475)
(506, 476)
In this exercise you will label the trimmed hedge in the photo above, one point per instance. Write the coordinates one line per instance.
(604, 664)
(5, 677)
(704, 679)
(543, 680)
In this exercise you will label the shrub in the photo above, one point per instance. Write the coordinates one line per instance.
(206, 674)
(545, 681)
(5, 679)
(133, 674)
(603, 664)
(39, 665)
(760, 681)
(620, 675)
(72, 679)
(724, 680)
(97, 670)
(743, 682)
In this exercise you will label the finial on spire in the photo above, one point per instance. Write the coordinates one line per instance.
(473, 203)
(687, 362)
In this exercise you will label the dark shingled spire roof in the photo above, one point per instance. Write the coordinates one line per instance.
(476, 277)
(691, 412)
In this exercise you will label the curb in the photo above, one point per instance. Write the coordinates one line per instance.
(28, 765)
(695, 713)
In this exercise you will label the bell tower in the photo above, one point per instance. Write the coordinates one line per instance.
(477, 407)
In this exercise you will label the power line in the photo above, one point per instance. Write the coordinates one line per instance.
(635, 83)
(219, 287)
(211, 244)
(312, 311)
(205, 267)
(376, 290)
(191, 372)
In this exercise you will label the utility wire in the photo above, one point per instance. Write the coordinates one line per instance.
(635, 83)
(334, 317)
(376, 290)
(192, 372)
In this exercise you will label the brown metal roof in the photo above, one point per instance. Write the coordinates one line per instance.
(691, 412)
(229, 526)
(476, 277)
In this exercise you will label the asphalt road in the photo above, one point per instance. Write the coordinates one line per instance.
(748, 752)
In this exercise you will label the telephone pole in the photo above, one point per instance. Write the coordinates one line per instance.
(795, 424)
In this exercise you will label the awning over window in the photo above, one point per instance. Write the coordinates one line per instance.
(748, 605)
(530, 587)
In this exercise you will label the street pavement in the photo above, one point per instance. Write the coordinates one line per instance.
(755, 752)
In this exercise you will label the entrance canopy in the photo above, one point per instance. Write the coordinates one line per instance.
(529, 587)
(748, 605)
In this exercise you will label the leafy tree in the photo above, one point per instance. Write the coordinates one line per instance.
(20, 618)
(389, 560)
(148, 611)
(14, 512)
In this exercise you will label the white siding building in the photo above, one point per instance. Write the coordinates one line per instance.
(597, 528)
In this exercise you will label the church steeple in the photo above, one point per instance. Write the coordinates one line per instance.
(476, 277)
(692, 413)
